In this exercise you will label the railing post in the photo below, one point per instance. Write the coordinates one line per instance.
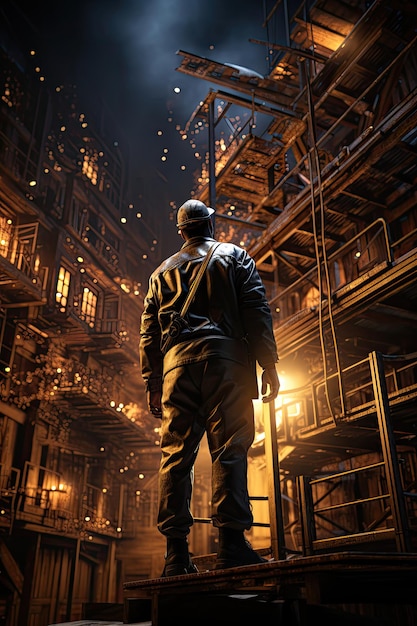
(389, 453)
(274, 487)
(306, 509)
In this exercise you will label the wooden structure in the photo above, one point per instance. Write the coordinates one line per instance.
(318, 182)
(325, 589)
(321, 199)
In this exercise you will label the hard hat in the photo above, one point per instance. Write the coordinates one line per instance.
(191, 212)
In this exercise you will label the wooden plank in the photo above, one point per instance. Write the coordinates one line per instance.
(273, 573)
(11, 567)
(304, 583)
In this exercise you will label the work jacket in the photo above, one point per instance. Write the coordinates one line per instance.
(229, 316)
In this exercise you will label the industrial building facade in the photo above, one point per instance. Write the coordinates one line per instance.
(318, 181)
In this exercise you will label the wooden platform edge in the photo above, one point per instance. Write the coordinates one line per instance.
(277, 572)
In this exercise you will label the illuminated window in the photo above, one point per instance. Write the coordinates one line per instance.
(89, 306)
(5, 236)
(312, 297)
(62, 288)
(90, 167)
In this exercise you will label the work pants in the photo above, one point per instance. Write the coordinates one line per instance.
(210, 396)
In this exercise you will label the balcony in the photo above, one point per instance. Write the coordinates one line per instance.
(334, 418)
(22, 279)
(113, 342)
(55, 501)
(96, 396)
(362, 276)
(107, 336)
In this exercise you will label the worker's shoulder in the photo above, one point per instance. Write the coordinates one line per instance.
(226, 247)
(232, 250)
(177, 259)
(197, 252)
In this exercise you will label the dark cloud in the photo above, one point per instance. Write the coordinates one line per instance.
(123, 53)
(132, 44)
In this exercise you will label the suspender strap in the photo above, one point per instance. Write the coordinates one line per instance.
(197, 279)
(177, 319)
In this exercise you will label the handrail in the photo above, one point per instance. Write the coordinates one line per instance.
(337, 253)
(357, 377)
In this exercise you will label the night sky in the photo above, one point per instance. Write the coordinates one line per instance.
(121, 54)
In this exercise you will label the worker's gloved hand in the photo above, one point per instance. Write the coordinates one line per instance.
(154, 402)
(269, 379)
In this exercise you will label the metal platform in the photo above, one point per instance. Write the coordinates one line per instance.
(281, 592)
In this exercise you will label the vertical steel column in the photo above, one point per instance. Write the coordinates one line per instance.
(306, 508)
(212, 157)
(389, 453)
(274, 487)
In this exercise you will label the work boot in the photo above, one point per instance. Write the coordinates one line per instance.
(235, 550)
(177, 559)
